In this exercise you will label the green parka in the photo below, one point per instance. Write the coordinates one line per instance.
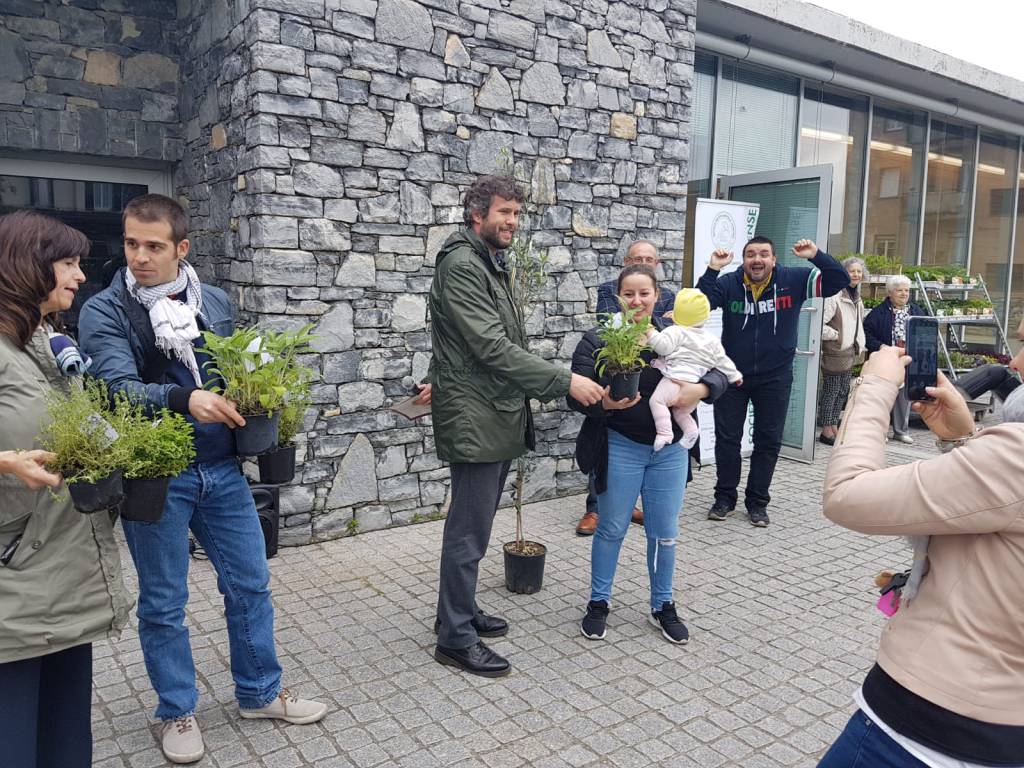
(63, 585)
(481, 373)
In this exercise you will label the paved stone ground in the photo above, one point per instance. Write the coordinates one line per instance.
(782, 620)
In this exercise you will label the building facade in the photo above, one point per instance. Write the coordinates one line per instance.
(322, 147)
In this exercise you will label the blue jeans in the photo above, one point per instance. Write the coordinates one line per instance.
(214, 501)
(862, 744)
(659, 478)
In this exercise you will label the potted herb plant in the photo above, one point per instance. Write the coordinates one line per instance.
(625, 338)
(277, 466)
(155, 449)
(88, 455)
(253, 366)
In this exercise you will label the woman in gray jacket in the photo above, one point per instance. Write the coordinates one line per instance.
(60, 574)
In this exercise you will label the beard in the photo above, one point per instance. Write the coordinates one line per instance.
(492, 236)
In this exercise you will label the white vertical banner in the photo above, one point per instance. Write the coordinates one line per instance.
(720, 225)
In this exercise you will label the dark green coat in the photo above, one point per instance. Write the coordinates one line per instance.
(481, 372)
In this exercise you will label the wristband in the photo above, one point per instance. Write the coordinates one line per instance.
(948, 445)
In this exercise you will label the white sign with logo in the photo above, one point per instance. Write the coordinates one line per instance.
(721, 225)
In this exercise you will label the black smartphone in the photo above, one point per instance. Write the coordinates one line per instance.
(923, 348)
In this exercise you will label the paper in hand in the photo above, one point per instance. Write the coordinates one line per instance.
(410, 409)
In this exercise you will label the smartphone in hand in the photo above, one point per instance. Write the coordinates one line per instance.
(923, 348)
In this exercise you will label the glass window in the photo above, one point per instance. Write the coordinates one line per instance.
(894, 182)
(834, 131)
(947, 199)
(755, 119)
(90, 206)
(993, 214)
(1017, 271)
(702, 122)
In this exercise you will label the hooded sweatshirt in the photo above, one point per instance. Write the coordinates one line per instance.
(760, 334)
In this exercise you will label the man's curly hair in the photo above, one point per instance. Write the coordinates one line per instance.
(483, 190)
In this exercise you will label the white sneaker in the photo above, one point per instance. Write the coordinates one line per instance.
(903, 437)
(289, 708)
(181, 740)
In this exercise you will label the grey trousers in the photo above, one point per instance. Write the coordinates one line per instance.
(476, 490)
(901, 413)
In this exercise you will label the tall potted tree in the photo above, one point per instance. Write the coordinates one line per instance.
(524, 559)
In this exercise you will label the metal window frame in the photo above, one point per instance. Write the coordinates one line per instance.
(969, 256)
(157, 180)
(1013, 231)
(924, 188)
(866, 177)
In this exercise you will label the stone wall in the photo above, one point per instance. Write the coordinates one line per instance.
(90, 77)
(366, 120)
(322, 148)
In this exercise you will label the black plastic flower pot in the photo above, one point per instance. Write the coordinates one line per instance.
(277, 467)
(524, 570)
(144, 499)
(93, 497)
(625, 385)
(259, 434)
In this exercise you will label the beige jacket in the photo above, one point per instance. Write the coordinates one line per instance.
(842, 335)
(63, 586)
(959, 643)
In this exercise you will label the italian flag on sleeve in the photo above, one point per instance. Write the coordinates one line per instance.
(814, 283)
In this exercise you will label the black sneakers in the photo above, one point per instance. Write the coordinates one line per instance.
(671, 626)
(758, 516)
(719, 511)
(593, 624)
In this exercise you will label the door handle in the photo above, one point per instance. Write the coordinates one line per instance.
(805, 353)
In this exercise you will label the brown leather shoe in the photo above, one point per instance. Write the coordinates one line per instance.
(587, 525)
(638, 516)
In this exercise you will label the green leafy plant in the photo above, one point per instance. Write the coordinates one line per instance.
(153, 446)
(352, 527)
(877, 264)
(296, 400)
(83, 432)
(625, 338)
(256, 365)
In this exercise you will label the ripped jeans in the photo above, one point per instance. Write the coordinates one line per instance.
(659, 478)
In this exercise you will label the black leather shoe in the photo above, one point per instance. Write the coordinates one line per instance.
(477, 660)
(484, 624)
(719, 511)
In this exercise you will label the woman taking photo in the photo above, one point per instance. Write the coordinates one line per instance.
(948, 687)
(616, 442)
(60, 573)
(886, 324)
(842, 342)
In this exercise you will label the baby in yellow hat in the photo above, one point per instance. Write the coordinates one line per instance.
(686, 352)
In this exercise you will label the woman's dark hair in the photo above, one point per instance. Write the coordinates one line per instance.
(483, 190)
(636, 269)
(30, 244)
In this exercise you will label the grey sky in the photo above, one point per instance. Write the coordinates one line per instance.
(983, 32)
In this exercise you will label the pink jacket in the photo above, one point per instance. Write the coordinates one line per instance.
(960, 643)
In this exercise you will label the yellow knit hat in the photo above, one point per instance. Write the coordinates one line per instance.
(692, 307)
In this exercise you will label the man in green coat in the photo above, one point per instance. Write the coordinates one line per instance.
(481, 380)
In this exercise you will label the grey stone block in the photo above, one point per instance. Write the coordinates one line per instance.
(336, 152)
(324, 235)
(415, 204)
(334, 332)
(406, 131)
(404, 23)
(278, 58)
(509, 30)
(365, 124)
(283, 267)
(542, 83)
(316, 180)
(485, 150)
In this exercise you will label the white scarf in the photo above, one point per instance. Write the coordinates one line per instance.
(174, 322)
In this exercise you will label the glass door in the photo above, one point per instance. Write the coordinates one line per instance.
(794, 204)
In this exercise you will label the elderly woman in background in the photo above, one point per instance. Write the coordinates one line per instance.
(842, 342)
(886, 325)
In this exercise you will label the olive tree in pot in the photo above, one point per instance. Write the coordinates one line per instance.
(254, 366)
(155, 448)
(81, 432)
(524, 559)
(625, 338)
